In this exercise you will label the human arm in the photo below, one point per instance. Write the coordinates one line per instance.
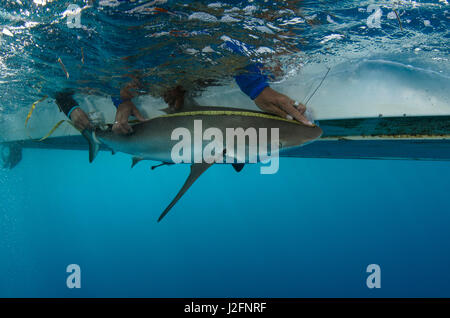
(254, 83)
(125, 109)
(69, 106)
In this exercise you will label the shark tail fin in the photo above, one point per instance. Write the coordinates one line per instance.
(196, 171)
(94, 144)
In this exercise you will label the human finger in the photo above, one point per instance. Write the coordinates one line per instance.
(295, 113)
(300, 107)
(276, 111)
(121, 129)
(136, 113)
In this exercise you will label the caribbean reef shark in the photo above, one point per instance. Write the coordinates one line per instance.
(154, 139)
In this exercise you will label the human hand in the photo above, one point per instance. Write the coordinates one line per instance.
(124, 111)
(80, 119)
(174, 97)
(276, 103)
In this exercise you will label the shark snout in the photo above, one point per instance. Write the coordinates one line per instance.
(301, 136)
(316, 132)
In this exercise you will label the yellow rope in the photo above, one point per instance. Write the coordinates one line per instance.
(229, 113)
(52, 130)
(56, 127)
(32, 109)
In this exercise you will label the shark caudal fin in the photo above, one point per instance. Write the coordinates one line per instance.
(94, 144)
(196, 171)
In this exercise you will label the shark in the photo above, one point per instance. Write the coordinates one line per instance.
(153, 139)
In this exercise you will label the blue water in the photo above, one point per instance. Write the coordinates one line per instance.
(114, 42)
(309, 230)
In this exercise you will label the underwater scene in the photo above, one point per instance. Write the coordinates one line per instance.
(221, 149)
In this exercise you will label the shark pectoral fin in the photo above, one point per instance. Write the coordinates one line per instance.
(238, 166)
(135, 161)
(196, 171)
(94, 144)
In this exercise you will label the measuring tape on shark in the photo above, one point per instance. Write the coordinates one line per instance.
(229, 113)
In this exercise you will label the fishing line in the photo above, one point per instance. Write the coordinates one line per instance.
(398, 19)
(321, 82)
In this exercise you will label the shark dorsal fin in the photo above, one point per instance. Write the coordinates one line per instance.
(196, 171)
